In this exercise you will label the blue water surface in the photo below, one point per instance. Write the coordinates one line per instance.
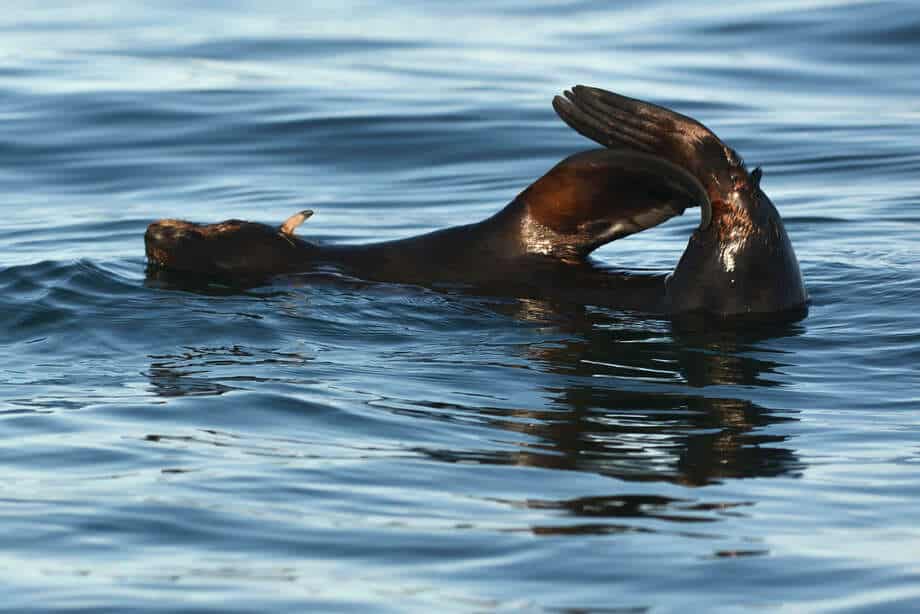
(329, 444)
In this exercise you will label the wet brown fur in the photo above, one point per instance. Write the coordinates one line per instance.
(740, 260)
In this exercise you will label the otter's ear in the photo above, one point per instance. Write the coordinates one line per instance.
(600, 195)
(617, 121)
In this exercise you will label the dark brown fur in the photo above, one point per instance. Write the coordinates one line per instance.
(740, 261)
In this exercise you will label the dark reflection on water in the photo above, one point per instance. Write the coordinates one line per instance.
(611, 417)
(614, 415)
(598, 514)
(178, 375)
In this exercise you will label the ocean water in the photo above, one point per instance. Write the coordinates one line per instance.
(329, 444)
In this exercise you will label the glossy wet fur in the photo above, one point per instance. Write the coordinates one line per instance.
(585, 201)
(740, 261)
(233, 247)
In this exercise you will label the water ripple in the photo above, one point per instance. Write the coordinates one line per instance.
(325, 443)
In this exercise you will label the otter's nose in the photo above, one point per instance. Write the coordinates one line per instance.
(157, 234)
(164, 238)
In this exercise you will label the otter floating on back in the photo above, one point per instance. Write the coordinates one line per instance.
(658, 162)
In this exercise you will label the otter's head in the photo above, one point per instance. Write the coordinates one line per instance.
(232, 248)
(739, 261)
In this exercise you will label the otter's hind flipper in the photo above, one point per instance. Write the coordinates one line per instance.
(597, 196)
(617, 121)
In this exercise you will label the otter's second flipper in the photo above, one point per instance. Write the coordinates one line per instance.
(597, 196)
(617, 121)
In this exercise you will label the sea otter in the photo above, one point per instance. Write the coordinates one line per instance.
(657, 163)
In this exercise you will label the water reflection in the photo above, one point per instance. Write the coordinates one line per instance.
(169, 382)
(624, 395)
(628, 406)
(619, 513)
(189, 373)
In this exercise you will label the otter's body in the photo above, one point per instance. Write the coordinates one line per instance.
(739, 261)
